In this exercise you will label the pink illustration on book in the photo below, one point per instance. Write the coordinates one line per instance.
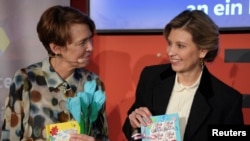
(53, 131)
(163, 128)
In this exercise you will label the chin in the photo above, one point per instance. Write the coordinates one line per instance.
(84, 64)
(176, 69)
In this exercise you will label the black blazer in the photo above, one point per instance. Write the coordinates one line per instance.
(214, 101)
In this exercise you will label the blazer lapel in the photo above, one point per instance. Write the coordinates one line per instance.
(162, 92)
(200, 109)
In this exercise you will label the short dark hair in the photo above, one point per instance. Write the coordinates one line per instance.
(54, 25)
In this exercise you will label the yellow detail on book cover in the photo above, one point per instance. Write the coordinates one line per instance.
(61, 131)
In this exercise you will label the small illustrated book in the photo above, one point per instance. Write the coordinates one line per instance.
(61, 131)
(163, 128)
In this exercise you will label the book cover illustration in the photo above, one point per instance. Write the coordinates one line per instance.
(62, 131)
(163, 128)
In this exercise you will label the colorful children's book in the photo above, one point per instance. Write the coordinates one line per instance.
(62, 131)
(164, 128)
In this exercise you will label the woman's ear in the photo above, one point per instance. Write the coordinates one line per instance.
(54, 48)
(203, 53)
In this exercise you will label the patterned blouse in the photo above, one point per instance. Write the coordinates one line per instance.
(37, 97)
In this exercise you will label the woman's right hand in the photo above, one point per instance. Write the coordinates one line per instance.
(140, 116)
(80, 137)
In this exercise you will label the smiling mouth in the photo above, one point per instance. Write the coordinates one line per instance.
(82, 58)
(175, 60)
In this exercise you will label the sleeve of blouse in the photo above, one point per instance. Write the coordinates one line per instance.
(14, 112)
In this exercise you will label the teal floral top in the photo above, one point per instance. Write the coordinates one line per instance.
(38, 97)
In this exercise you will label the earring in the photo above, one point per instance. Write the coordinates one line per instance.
(58, 55)
(202, 63)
